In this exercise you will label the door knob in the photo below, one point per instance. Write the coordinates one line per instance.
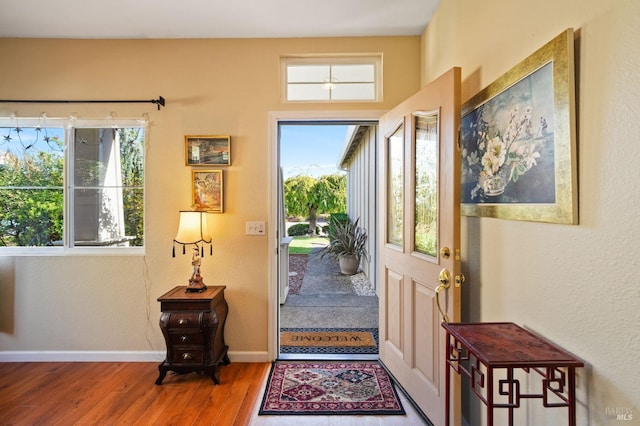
(445, 278)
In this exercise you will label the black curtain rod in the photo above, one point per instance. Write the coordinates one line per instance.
(159, 102)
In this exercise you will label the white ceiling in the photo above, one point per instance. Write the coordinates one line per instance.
(213, 18)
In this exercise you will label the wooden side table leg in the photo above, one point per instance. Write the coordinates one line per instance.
(214, 375)
(572, 396)
(163, 373)
(447, 395)
(511, 390)
(489, 396)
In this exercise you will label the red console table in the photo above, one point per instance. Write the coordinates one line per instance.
(476, 350)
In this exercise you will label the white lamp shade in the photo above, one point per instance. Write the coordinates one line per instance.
(193, 228)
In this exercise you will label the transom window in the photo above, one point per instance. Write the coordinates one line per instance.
(71, 185)
(332, 79)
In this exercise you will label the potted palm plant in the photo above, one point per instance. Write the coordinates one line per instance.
(348, 243)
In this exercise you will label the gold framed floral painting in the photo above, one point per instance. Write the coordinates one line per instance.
(518, 141)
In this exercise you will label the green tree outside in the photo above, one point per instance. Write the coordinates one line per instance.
(132, 165)
(31, 190)
(308, 196)
(32, 209)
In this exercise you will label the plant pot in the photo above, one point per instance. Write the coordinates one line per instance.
(349, 264)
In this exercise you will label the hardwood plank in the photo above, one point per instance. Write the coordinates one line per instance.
(77, 397)
(45, 390)
(214, 408)
(125, 394)
(193, 390)
(254, 394)
(109, 396)
(184, 408)
(11, 390)
(133, 391)
(139, 406)
(78, 377)
(231, 406)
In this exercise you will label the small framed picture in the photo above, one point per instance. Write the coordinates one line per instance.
(207, 150)
(207, 190)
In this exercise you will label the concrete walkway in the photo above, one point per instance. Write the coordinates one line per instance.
(328, 299)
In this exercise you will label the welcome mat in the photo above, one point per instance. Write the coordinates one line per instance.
(326, 388)
(329, 340)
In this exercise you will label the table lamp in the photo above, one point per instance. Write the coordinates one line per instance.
(193, 230)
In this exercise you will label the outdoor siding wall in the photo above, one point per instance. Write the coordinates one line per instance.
(575, 285)
(362, 195)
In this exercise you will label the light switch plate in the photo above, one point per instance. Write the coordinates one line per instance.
(255, 228)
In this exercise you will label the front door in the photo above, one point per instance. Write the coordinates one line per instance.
(420, 240)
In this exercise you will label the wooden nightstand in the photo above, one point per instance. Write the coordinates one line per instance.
(193, 329)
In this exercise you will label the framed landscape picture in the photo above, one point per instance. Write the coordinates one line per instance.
(518, 141)
(207, 150)
(207, 190)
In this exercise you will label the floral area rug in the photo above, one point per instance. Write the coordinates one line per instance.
(332, 387)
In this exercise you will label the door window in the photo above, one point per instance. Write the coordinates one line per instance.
(426, 183)
(395, 187)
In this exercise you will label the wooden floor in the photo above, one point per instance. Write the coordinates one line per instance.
(88, 393)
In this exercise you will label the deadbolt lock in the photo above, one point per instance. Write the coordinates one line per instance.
(445, 253)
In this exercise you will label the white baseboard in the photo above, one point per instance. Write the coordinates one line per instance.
(81, 356)
(111, 356)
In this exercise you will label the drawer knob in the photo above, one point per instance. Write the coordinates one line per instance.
(187, 356)
(183, 321)
(184, 339)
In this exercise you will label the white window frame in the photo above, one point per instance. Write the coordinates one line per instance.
(69, 124)
(331, 60)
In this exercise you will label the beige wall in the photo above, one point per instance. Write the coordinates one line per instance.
(211, 87)
(576, 285)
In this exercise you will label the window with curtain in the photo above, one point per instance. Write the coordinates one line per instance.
(77, 185)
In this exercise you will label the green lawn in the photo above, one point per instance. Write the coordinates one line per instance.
(303, 245)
